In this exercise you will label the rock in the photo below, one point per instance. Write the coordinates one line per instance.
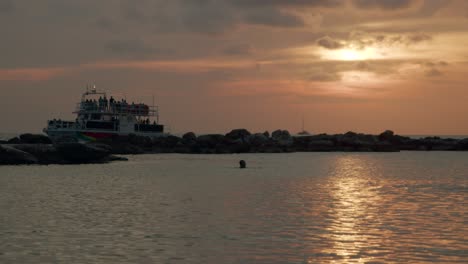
(117, 158)
(238, 134)
(141, 141)
(14, 140)
(126, 149)
(12, 156)
(44, 153)
(35, 139)
(189, 136)
(257, 140)
(321, 145)
(77, 153)
(387, 135)
(266, 134)
(283, 137)
(279, 134)
(210, 140)
(360, 142)
(462, 144)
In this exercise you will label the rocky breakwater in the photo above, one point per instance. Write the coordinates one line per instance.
(243, 141)
(38, 149)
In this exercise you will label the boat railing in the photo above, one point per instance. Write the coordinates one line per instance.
(117, 109)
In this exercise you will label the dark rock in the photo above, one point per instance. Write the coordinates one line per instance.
(321, 145)
(44, 153)
(282, 137)
(387, 135)
(266, 134)
(358, 142)
(462, 144)
(12, 156)
(167, 142)
(141, 141)
(189, 136)
(257, 140)
(35, 139)
(279, 134)
(14, 140)
(210, 140)
(77, 153)
(117, 158)
(238, 134)
(126, 149)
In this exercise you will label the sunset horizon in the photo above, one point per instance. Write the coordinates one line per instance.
(212, 66)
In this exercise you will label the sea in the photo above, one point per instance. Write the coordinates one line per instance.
(406, 207)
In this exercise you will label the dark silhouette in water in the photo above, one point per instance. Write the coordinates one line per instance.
(242, 164)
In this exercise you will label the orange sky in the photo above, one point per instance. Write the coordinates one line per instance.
(213, 65)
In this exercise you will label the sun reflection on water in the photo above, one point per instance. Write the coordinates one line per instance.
(354, 190)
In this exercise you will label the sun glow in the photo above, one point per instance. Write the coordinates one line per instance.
(351, 54)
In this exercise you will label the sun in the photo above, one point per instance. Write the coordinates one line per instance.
(351, 54)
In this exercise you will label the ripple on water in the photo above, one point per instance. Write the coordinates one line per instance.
(288, 208)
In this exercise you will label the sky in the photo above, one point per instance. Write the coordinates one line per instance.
(216, 65)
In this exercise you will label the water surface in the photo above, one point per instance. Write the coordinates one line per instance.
(407, 207)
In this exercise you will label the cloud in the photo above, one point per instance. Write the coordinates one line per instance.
(432, 68)
(6, 6)
(240, 49)
(288, 3)
(272, 17)
(363, 66)
(361, 39)
(433, 72)
(418, 37)
(207, 16)
(384, 4)
(324, 76)
(133, 47)
(329, 43)
(31, 74)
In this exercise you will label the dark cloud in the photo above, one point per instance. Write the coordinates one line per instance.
(323, 76)
(362, 39)
(433, 72)
(273, 17)
(207, 16)
(329, 43)
(363, 66)
(134, 48)
(384, 4)
(6, 6)
(418, 37)
(297, 3)
(240, 49)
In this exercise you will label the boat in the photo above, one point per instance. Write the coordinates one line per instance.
(101, 117)
(303, 132)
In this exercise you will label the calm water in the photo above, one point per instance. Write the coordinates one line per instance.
(407, 207)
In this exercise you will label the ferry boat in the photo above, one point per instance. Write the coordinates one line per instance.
(100, 117)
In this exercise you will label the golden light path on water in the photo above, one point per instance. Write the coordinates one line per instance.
(354, 191)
